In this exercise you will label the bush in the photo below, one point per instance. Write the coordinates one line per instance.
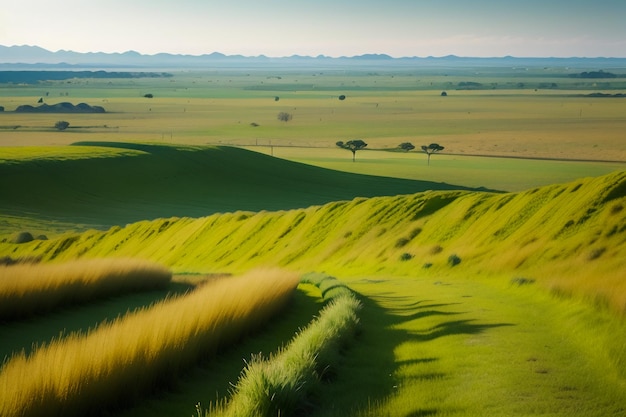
(406, 256)
(22, 237)
(522, 281)
(596, 253)
(284, 116)
(401, 242)
(436, 249)
(61, 125)
(454, 260)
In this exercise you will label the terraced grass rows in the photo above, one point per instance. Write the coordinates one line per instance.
(120, 361)
(27, 289)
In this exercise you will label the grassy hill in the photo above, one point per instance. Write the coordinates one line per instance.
(456, 314)
(568, 236)
(101, 184)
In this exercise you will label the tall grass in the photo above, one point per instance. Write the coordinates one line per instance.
(27, 289)
(284, 383)
(120, 361)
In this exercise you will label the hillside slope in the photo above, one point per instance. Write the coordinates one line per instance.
(127, 182)
(571, 237)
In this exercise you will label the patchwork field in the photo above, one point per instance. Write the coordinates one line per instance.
(490, 282)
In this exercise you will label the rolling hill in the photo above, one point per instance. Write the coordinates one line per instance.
(571, 237)
(101, 184)
(459, 314)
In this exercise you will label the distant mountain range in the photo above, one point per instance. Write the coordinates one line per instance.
(34, 56)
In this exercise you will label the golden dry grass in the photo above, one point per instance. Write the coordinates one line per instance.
(117, 362)
(27, 289)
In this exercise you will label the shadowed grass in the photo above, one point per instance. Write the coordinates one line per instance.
(138, 181)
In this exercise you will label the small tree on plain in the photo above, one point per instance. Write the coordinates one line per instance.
(61, 125)
(284, 116)
(431, 149)
(406, 146)
(352, 146)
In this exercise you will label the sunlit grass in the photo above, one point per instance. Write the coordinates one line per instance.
(118, 362)
(27, 289)
(566, 230)
(457, 347)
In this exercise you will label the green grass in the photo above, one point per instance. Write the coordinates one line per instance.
(505, 174)
(436, 339)
(466, 347)
(286, 382)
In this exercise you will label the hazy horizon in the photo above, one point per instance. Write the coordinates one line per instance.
(279, 28)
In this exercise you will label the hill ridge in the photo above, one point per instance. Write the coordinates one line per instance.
(562, 235)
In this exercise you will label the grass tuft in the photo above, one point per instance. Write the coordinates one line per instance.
(284, 384)
(27, 289)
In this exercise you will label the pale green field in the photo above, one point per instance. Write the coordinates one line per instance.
(495, 173)
(384, 110)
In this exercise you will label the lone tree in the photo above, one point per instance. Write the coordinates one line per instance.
(431, 149)
(406, 146)
(353, 146)
(284, 116)
(62, 125)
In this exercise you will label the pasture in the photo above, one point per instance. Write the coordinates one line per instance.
(488, 283)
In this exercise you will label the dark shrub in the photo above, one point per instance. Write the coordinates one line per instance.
(22, 237)
(436, 249)
(61, 125)
(454, 260)
(401, 242)
(596, 253)
(522, 281)
(406, 257)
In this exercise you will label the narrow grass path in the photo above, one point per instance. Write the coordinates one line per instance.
(464, 348)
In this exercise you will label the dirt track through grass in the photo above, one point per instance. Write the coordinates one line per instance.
(457, 347)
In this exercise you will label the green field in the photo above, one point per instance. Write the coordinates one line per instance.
(490, 282)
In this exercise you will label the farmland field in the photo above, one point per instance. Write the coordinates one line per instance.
(489, 282)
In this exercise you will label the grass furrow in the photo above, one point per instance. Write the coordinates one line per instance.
(284, 383)
(118, 362)
(27, 289)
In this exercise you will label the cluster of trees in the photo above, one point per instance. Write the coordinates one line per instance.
(427, 149)
(355, 145)
(358, 144)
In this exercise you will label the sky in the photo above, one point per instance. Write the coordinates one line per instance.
(276, 28)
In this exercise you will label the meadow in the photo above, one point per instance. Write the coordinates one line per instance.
(489, 282)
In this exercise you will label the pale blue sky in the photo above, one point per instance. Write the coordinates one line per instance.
(329, 27)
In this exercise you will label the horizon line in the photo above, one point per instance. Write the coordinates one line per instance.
(380, 55)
